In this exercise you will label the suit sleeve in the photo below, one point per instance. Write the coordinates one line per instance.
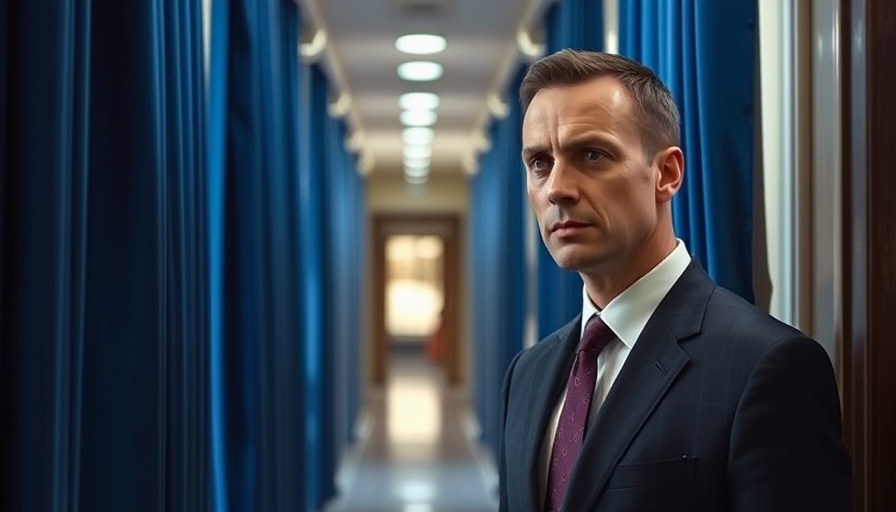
(786, 449)
(502, 466)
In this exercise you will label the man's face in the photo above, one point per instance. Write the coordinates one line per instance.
(588, 181)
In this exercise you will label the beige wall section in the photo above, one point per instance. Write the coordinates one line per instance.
(442, 194)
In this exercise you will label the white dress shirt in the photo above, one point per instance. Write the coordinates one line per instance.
(626, 315)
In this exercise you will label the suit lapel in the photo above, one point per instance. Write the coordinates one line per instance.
(552, 371)
(653, 365)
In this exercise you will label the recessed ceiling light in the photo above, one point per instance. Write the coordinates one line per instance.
(421, 44)
(420, 71)
(417, 151)
(415, 180)
(417, 135)
(418, 117)
(418, 101)
(416, 172)
(416, 163)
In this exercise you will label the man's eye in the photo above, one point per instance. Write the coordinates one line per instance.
(538, 163)
(593, 155)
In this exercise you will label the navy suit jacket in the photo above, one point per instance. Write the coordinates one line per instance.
(719, 407)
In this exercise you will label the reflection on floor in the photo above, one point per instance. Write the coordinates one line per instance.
(415, 455)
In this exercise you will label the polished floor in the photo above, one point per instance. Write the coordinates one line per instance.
(416, 453)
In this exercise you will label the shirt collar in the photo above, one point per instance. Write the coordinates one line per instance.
(628, 312)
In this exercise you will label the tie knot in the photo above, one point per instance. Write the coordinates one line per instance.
(596, 336)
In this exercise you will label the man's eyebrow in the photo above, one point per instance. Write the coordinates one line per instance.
(532, 150)
(593, 139)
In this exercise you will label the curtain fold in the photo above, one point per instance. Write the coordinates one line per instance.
(346, 221)
(705, 52)
(103, 349)
(498, 263)
(256, 315)
(575, 24)
(318, 355)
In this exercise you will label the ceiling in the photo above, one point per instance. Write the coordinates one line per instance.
(355, 42)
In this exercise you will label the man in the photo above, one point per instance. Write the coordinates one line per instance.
(698, 400)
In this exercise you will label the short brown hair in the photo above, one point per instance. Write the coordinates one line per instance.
(658, 117)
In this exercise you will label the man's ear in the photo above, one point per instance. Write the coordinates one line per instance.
(670, 164)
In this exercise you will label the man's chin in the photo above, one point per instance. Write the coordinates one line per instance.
(571, 262)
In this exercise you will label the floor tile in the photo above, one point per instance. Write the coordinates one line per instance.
(416, 454)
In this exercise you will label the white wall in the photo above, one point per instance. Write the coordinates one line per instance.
(775, 56)
(801, 141)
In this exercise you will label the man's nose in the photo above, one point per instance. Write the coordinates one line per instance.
(562, 184)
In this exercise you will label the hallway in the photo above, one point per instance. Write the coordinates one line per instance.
(415, 453)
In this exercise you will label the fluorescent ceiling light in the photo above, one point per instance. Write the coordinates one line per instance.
(419, 101)
(421, 44)
(417, 151)
(416, 172)
(417, 135)
(416, 180)
(420, 71)
(418, 118)
(416, 162)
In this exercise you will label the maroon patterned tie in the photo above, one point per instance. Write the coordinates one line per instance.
(574, 416)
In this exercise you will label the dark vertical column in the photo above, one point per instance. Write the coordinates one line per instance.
(451, 315)
(869, 259)
(380, 346)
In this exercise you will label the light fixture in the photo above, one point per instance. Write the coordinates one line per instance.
(497, 106)
(529, 48)
(418, 117)
(340, 106)
(417, 151)
(416, 172)
(481, 142)
(313, 49)
(354, 142)
(366, 163)
(469, 164)
(421, 44)
(420, 71)
(416, 180)
(418, 101)
(416, 162)
(417, 135)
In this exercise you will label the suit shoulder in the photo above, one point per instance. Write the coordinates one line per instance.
(747, 331)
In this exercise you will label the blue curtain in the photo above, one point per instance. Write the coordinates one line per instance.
(332, 231)
(569, 24)
(258, 286)
(704, 51)
(497, 263)
(346, 221)
(575, 24)
(103, 287)
(318, 355)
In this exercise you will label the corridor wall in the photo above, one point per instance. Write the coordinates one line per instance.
(346, 222)
(172, 313)
(104, 388)
(291, 208)
(497, 264)
(258, 286)
(332, 236)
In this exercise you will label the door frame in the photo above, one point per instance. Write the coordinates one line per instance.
(446, 226)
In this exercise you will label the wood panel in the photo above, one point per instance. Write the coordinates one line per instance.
(868, 321)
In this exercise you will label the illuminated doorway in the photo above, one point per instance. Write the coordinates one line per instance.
(416, 283)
